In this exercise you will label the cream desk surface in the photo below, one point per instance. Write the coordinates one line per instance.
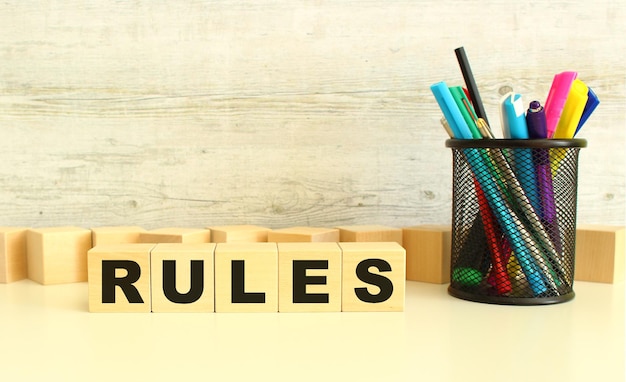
(47, 334)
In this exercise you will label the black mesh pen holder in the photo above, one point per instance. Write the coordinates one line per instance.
(514, 220)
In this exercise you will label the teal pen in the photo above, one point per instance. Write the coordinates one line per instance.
(511, 226)
(517, 192)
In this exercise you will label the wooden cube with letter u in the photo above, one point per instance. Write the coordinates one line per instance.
(119, 278)
(182, 277)
(373, 276)
(246, 277)
(309, 277)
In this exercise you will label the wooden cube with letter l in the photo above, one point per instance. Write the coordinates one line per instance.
(309, 277)
(182, 277)
(246, 277)
(373, 276)
(119, 278)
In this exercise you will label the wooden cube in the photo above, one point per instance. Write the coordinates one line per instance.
(246, 277)
(599, 253)
(182, 277)
(367, 233)
(373, 277)
(303, 234)
(58, 254)
(428, 251)
(119, 278)
(115, 235)
(238, 234)
(309, 277)
(12, 254)
(176, 235)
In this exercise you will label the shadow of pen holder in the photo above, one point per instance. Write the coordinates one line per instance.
(514, 220)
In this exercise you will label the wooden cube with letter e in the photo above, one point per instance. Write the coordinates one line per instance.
(182, 277)
(246, 277)
(373, 276)
(119, 278)
(309, 277)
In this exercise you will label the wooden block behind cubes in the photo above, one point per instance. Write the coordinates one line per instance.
(238, 234)
(427, 253)
(57, 255)
(309, 277)
(303, 234)
(119, 278)
(115, 235)
(182, 277)
(12, 254)
(176, 235)
(366, 233)
(246, 277)
(599, 253)
(373, 277)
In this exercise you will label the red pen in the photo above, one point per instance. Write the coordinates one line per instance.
(499, 273)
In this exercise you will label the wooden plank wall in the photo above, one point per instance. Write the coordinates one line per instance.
(279, 113)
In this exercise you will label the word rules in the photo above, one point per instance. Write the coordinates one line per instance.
(247, 277)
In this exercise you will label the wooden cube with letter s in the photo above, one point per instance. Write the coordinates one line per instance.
(373, 276)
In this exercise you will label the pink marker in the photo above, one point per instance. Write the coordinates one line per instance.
(556, 99)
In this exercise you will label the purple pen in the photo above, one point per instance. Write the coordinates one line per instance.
(536, 121)
(537, 129)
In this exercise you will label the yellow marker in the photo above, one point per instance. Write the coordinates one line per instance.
(572, 111)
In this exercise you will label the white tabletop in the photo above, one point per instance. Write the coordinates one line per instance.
(46, 333)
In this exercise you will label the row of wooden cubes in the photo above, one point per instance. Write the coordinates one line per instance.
(247, 277)
(57, 255)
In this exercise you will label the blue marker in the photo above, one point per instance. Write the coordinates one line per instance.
(514, 126)
(590, 106)
(451, 111)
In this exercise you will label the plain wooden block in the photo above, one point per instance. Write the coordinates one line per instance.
(182, 277)
(367, 233)
(599, 253)
(309, 277)
(246, 277)
(119, 278)
(176, 235)
(13, 266)
(428, 253)
(57, 254)
(238, 234)
(373, 277)
(115, 235)
(303, 234)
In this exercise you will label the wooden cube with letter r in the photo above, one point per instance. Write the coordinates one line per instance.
(246, 277)
(309, 277)
(182, 277)
(119, 278)
(373, 276)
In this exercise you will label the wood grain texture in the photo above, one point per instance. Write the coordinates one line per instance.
(280, 113)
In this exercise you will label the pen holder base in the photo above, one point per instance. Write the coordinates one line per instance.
(514, 220)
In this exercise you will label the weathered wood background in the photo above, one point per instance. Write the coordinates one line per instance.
(279, 113)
